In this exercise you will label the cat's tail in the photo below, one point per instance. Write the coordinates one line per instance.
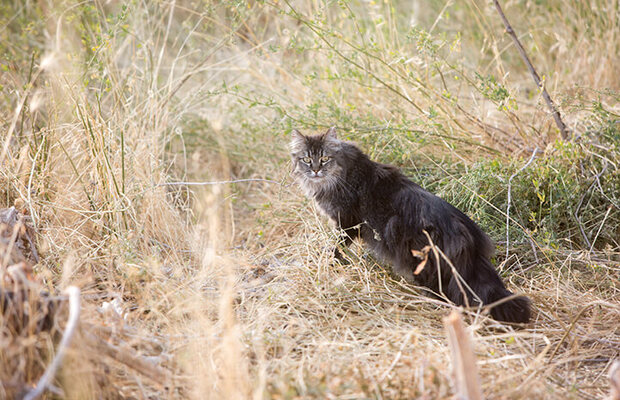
(489, 288)
(507, 307)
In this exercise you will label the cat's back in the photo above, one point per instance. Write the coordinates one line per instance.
(385, 191)
(420, 209)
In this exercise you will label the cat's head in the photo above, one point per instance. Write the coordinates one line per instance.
(316, 159)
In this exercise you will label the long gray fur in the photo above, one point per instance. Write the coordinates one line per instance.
(390, 213)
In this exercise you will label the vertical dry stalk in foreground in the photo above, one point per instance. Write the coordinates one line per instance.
(614, 380)
(463, 359)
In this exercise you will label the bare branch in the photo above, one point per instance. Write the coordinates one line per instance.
(128, 357)
(74, 316)
(216, 182)
(554, 111)
(509, 199)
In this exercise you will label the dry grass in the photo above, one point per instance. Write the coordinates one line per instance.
(229, 290)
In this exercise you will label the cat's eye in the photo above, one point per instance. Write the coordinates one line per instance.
(325, 159)
(307, 160)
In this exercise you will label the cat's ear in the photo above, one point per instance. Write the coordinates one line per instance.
(331, 133)
(296, 135)
(297, 140)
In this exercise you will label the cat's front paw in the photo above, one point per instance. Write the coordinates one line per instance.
(404, 272)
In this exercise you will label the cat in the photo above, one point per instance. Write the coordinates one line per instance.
(395, 217)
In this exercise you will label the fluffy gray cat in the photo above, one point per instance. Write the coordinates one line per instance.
(393, 216)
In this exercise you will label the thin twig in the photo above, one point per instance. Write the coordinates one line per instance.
(509, 198)
(396, 359)
(556, 114)
(600, 229)
(128, 357)
(74, 316)
(585, 193)
(315, 29)
(570, 328)
(457, 276)
(18, 111)
(217, 182)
